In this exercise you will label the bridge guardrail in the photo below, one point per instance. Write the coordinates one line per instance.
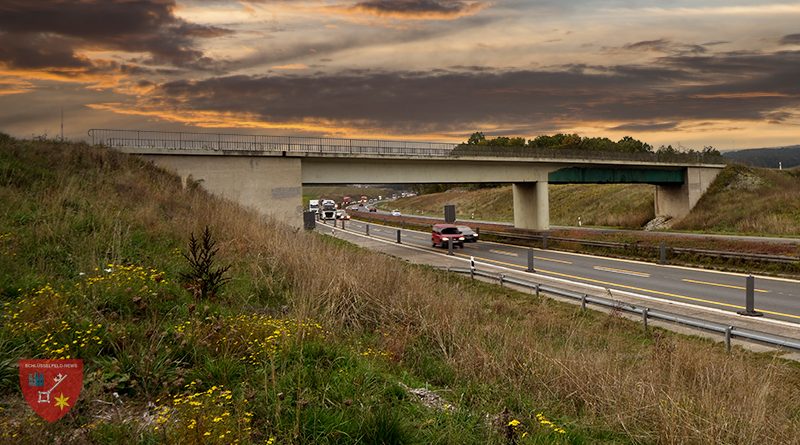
(729, 331)
(170, 140)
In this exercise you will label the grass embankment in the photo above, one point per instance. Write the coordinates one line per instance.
(311, 338)
(614, 205)
(749, 200)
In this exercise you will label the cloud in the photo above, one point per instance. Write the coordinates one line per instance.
(790, 39)
(729, 87)
(419, 9)
(59, 30)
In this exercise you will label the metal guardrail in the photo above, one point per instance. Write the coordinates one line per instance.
(171, 140)
(682, 250)
(646, 313)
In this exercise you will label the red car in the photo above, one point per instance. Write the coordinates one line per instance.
(441, 234)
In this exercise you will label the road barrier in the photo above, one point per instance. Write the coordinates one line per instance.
(662, 249)
(646, 313)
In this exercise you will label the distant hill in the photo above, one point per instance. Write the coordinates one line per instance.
(767, 157)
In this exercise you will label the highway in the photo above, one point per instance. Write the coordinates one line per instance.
(604, 230)
(777, 298)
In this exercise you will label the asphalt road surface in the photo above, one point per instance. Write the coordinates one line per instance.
(770, 239)
(777, 298)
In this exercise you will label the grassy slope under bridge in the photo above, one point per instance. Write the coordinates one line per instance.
(240, 366)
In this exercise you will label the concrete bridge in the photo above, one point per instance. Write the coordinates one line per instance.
(267, 172)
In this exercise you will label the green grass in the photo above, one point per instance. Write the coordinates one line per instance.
(312, 345)
(615, 205)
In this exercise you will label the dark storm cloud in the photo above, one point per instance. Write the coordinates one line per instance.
(62, 27)
(417, 8)
(790, 39)
(726, 86)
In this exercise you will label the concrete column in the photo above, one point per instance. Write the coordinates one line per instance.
(678, 200)
(270, 185)
(531, 205)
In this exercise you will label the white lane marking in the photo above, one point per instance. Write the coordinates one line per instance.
(622, 271)
(730, 286)
(503, 252)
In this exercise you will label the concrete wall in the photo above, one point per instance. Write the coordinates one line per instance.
(270, 185)
(531, 205)
(678, 200)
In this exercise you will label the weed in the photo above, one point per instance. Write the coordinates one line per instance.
(204, 279)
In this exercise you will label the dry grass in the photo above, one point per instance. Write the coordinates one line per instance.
(599, 369)
(749, 200)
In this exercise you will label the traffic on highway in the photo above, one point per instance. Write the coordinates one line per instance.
(776, 298)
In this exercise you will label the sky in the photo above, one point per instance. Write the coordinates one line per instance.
(685, 73)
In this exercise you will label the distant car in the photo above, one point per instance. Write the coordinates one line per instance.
(441, 234)
(395, 212)
(372, 209)
(470, 235)
(341, 214)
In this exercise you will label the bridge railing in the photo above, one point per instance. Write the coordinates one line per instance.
(171, 140)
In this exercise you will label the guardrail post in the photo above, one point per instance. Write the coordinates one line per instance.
(583, 301)
(342, 223)
(750, 310)
(530, 260)
(398, 236)
(450, 246)
(544, 241)
(472, 267)
(502, 277)
(537, 290)
(728, 338)
(662, 257)
(644, 317)
(366, 227)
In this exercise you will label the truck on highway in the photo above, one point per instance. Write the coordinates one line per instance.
(328, 209)
(313, 205)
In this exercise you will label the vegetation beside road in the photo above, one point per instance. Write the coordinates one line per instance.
(312, 340)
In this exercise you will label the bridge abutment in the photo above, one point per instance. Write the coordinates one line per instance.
(531, 205)
(270, 185)
(678, 200)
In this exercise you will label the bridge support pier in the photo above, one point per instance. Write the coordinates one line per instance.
(678, 200)
(531, 205)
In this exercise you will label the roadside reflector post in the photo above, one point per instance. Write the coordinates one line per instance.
(644, 317)
(537, 290)
(662, 250)
(583, 302)
(530, 260)
(502, 279)
(342, 223)
(366, 227)
(728, 338)
(750, 310)
(450, 246)
(544, 241)
(472, 267)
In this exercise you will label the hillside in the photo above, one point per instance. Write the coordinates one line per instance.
(742, 200)
(616, 205)
(315, 341)
(767, 157)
